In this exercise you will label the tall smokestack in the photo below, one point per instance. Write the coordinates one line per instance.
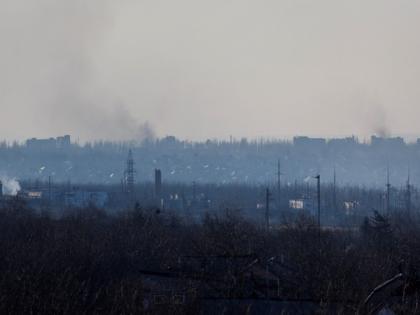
(1, 189)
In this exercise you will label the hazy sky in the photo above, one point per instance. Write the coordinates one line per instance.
(205, 69)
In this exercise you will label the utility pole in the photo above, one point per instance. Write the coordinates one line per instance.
(408, 205)
(388, 192)
(279, 186)
(318, 179)
(335, 193)
(49, 191)
(267, 208)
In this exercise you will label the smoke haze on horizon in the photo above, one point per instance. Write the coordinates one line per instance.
(104, 69)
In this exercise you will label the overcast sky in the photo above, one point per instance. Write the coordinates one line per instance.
(208, 69)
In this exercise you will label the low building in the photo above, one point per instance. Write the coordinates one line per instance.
(350, 206)
(305, 204)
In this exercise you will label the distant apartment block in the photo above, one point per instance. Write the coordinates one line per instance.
(49, 144)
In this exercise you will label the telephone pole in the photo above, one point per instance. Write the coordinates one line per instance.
(335, 193)
(49, 191)
(279, 186)
(318, 179)
(388, 192)
(408, 197)
(318, 186)
(267, 208)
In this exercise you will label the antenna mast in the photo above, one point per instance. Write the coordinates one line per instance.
(129, 174)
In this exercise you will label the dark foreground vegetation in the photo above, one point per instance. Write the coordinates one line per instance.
(144, 261)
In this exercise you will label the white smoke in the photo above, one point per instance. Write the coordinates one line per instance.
(10, 185)
(307, 179)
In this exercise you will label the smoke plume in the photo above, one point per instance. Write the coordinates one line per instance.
(205, 69)
(10, 185)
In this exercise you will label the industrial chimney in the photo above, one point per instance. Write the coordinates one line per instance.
(1, 189)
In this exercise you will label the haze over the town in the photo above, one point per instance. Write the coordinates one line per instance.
(210, 157)
(208, 69)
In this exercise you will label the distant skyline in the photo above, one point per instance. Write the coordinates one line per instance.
(408, 139)
(120, 70)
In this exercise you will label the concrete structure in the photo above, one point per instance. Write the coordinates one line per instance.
(63, 142)
(49, 144)
(350, 206)
(309, 143)
(297, 204)
(306, 204)
(342, 143)
(395, 142)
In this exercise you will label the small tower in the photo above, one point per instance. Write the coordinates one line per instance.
(129, 174)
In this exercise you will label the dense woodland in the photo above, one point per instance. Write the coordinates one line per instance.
(146, 261)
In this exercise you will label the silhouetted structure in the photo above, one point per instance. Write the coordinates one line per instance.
(388, 192)
(49, 144)
(267, 208)
(335, 192)
(215, 161)
(129, 175)
(279, 186)
(408, 196)
(158, 185)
